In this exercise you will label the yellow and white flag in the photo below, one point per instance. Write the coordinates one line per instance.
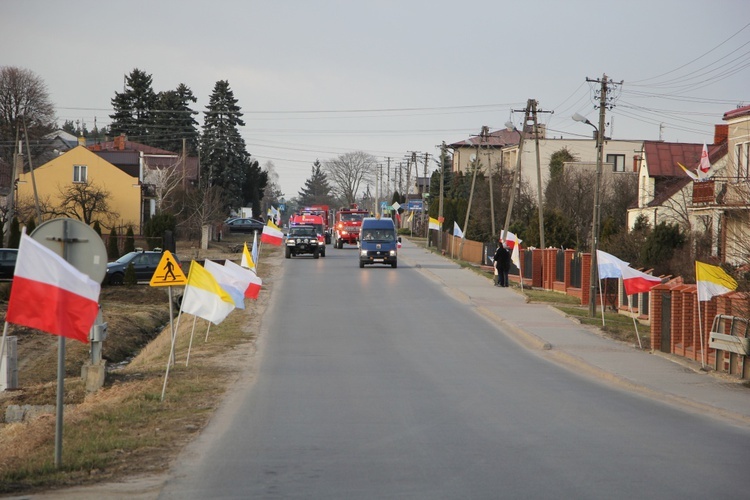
(712, 281)
(247, 258)
(204, 297)
(434, 224)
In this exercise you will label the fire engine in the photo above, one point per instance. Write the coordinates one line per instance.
(315, 221)
(325, 212)
(348, 222)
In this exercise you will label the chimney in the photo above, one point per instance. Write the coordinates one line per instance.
(721, 133)
(120, 142)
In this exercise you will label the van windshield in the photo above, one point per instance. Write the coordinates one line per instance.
(377, 235)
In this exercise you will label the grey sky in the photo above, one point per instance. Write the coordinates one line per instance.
(319, 78)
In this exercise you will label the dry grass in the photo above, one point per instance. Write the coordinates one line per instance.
(125, 428)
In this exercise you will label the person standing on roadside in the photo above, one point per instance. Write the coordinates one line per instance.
(502, 264)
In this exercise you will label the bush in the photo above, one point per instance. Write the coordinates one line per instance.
(130, 278)
(155, 227)
(129, 240)
(113, 252)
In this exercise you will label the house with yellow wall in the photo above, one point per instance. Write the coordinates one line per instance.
(74, 169)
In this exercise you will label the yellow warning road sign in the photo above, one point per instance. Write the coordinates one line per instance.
(168, 273)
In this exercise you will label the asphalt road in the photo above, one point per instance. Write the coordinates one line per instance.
(376, 383)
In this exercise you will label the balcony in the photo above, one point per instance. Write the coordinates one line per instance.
(703, 192)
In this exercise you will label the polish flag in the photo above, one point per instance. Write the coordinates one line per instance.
(271, 234)
(51, 295)
(636, 281)
(252, 281)
(705, 165)
(254, 288)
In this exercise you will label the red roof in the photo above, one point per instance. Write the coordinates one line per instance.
(736, 113)
(662, 157)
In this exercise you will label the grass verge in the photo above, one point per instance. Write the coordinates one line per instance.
(125, 428)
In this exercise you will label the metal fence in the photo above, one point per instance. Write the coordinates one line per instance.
(560, 266)
(575, 270)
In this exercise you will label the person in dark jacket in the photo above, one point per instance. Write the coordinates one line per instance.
(502, 264)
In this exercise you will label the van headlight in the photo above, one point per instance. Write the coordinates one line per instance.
(363, 253)
(393, 253)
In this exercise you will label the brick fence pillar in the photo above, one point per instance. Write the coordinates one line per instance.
(585, 278)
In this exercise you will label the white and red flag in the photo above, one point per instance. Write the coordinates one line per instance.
(636, 281)
(252, 281)
(51, 295)
(271, 234)
(704, 167)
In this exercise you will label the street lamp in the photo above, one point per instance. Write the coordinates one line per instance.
(594, 274)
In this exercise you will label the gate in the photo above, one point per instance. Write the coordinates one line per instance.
(666, 322)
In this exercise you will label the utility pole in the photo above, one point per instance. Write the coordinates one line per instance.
(540, 196)
(426, 197)
(517, 171)
(440, 202)
(600, 136)
(471, 198)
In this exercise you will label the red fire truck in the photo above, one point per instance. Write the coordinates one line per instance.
(312, 220)
(346, 228)
(325, 212)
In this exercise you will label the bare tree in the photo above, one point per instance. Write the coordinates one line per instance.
(23, 97)
(203, 207)
(86, 202)
(165, 181)
(349, 171)
(272, 193)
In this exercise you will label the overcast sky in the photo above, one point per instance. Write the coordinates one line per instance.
(319, 78)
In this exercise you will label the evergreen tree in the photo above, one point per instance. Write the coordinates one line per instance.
(129, 240)
(224, 159)
(113, 251)
(173, 121)
(317, 190)
(134, 107)
(256, 185)
(130, 277)
(97, 228)
(30, 226)
(14, 239)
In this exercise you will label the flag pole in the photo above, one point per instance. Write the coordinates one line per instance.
(2, 346)
(635, 324)
(174, 337)
(700, 330)
(208, 329)
(190, 344)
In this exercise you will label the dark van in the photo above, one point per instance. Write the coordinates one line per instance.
(378, 242)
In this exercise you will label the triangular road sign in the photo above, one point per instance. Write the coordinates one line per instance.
(168, 273)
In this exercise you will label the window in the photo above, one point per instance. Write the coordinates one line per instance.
(79, 173)
(618, 162)
(742, 155)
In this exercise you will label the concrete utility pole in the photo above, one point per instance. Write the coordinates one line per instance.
(471, 197)
(440, 202)
(600, 136)
(517, 171)
(540, 196)
(426, 196)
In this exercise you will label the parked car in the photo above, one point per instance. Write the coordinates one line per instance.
(144, 262)
(244, 225)
(7, 262)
